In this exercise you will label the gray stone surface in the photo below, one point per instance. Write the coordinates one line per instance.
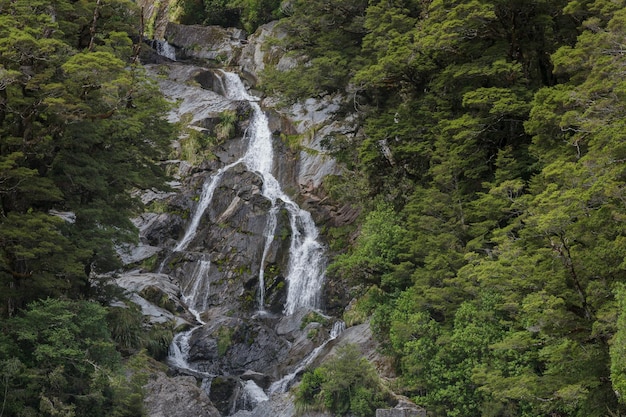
(405, 408)
(176, 397)
(237, 343)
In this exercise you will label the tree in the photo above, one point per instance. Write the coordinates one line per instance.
(61, 361)
(324, 36)
(79, 130)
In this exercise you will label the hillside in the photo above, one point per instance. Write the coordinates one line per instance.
(476, 196)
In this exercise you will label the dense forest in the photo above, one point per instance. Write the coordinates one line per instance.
(490, 255)
(80, 126)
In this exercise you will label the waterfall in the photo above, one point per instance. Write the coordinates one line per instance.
(306, 255)
(165, 49)
(305, 260)
(208, 189)
(196, 292)
(304, 273)
(194, 295)
(270, 231)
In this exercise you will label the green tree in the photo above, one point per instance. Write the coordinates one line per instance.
(80, 126)
(61, 361)
(375, 252)
(324, 37)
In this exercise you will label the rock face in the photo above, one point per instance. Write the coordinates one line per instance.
(177, 396)
(211, 43)
(235, 351)
(404, 408)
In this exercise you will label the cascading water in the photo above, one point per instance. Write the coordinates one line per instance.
(165, 49)
(270, 231)
(306, 254)
(194, 295)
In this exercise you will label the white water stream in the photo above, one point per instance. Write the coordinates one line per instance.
(165, 49)
(304, 274)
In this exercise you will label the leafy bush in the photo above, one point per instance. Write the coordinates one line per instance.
(347, 383)
(62, 361)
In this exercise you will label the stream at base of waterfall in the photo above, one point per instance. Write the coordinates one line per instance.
(305, 272)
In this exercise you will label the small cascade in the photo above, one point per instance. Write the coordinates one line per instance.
(195, 295)
(270, 231)
(306, 262)
(208, 189)
(251, 396)
(164, 49)
(338, 327)
(179, 350)
(284, 384)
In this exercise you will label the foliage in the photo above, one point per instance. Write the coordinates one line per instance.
(131, 334)
(493, 133)
(81, 125)
(618, 346)
(490, 174)
(224, 339)
(245, 14)
(375, 252)
(323, 40)
(62, 361)
(347, 383)
(312, 317)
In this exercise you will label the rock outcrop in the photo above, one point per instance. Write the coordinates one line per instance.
(177, 396)
(214, 44)
(405, 408)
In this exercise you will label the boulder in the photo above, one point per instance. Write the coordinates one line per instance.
(260, 379)
(213, 43)
(176, 397)
(155, 294)
(231, 346)
(405, 408)
(361, 335)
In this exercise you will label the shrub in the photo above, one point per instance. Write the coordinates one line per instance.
(347, 383)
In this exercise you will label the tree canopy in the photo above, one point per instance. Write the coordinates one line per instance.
(80, 126)
(492, 257)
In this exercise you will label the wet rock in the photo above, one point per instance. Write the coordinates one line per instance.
(256, 54)
(279, 405)
(224, 393)
(361, 336)
(233, 346)
(155, 293)
(156, 230)
(136, 254)
(262, 380)
(176, 397)
(212, 43)
(405, 408)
